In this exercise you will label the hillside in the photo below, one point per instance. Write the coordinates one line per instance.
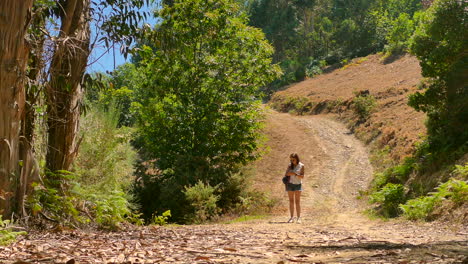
(392, 122)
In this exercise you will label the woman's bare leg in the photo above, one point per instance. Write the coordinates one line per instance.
(291, 203)
(297, 196)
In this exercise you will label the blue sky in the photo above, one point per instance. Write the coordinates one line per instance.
(102, 60)
(106, 62)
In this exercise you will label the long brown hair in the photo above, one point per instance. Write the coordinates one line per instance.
(294, 156)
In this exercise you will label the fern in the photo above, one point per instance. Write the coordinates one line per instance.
(6, 234)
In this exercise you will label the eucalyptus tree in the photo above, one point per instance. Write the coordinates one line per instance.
(14, 22)
(64, 91)
(52, 63)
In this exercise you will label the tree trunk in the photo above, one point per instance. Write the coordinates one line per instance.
(14, 20)
(64, 92)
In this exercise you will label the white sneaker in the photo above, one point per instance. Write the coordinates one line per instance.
(298, 220)
(291, 220)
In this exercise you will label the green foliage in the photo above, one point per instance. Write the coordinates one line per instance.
(398, 174)
(56, 198)
(294, 71)
(364, 105)
(330, 31)
(389, 199)
(111, 209)
(279, 21)
(105, 167)
(462, 170)
(202, 200)
(200, 117)
(161, 219)
(440, 44)
(253, 202)
(314, 67)
(399, 34)
(419, 208)
(293, 105)
(106, 158)
(7, 235)
(103, 170)
(422, 207)
(455, 189)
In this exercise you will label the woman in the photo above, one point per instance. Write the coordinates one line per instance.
(294, 187)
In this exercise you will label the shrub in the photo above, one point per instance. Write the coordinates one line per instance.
(57, 198)
(419, 208)
(103, 170)
(462, 170)
(364, 105)
(422, 207)
(389, 198)
(202, 199)
(293, 105)
(314, 67)
(454, 189)
(106, 158)
(161, 219)
(105, 167)
(111, 209)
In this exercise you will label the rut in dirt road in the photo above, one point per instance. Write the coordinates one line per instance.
(345, 168)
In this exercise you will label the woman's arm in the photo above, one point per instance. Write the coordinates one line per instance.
(301, 173)
(289, 172)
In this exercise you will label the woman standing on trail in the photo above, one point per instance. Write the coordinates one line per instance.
(295, 171)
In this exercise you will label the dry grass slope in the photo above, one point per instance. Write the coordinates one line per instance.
(390, 123)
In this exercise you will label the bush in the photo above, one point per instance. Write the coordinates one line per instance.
(57, 198)
(419, 208)
(106, 158)
(103, 170)
(293, 105)
(453, 190)
(462, 171)
(364, 105)
(314, 67)
(111, 209)
(161, 219)
(202, 199)
(389, 199)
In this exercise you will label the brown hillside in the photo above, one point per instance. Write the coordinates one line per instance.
(392, 121)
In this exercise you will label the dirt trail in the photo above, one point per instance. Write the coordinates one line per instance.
(333, 228)
(337, 166)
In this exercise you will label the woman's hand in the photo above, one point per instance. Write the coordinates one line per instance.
(291, 174)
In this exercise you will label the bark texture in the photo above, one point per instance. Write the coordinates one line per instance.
(64, 92)
(14, 20)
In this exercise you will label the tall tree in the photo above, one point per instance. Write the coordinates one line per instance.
(200, 119)
(440, 45)
(64, 92)
(13, 60)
